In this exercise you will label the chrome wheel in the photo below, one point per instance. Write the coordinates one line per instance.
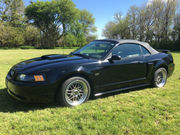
(160, 77)
(76, 92)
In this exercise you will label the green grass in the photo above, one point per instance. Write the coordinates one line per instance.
(143, 111)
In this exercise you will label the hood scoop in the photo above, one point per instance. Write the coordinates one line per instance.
(52, 56)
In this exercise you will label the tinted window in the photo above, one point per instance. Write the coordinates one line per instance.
(96, 49)
(127, 50)
(145, 51)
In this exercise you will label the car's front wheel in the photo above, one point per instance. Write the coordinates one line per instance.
(74, 91)
(160, 77)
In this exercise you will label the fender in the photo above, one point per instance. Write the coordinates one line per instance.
(160, 63)
(76, 71)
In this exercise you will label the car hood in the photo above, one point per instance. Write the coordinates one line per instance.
(45, 60)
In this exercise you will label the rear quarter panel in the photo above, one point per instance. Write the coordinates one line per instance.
(161, 60)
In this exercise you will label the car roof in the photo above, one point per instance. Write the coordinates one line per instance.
(144, 44)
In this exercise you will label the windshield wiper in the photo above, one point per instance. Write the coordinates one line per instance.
(81, 55)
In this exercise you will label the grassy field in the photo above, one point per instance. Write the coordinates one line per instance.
(142, 111)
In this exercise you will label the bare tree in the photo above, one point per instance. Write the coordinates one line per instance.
(132, 21)
(157, 22)
(176, 27)
(169, 13)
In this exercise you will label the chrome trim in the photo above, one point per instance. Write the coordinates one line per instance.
(121, 89)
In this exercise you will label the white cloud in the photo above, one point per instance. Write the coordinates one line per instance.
(150, 2)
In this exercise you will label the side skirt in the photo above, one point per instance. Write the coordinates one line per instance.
(121, 89)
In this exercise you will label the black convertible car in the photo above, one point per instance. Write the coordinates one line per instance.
(101, 67)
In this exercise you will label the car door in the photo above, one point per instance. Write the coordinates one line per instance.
(128, 71)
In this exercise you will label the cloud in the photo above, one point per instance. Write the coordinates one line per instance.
(150, 2)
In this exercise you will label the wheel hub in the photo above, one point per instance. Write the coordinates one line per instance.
(75, 92)
(159, 78)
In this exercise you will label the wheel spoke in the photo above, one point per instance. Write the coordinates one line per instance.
(69, 90)
(76, 92)
(78, 96)
(71, 97)
(71, 87)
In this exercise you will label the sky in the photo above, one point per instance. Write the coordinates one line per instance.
(103, 10)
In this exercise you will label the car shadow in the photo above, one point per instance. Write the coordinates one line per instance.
(10, 105)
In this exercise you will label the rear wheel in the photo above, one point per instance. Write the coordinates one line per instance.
(160, 77)
(74, 91)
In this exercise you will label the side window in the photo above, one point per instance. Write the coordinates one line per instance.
(145, 51)
(127, 50)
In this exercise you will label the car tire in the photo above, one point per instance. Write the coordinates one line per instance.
(160, 77)
(74, 91)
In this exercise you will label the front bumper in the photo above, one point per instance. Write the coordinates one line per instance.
(31, 92)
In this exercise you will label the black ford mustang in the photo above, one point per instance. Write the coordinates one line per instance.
(102, 66)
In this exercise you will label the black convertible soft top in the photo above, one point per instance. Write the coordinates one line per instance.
(144, 44)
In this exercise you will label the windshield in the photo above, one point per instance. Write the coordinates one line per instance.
(95, 49)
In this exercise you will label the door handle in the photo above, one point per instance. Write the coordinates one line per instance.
(137, 62)
(140, 62)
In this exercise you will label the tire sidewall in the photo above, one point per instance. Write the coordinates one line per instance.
(155, 75)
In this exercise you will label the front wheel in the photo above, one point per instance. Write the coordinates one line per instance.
(160, 77)
(74, 91)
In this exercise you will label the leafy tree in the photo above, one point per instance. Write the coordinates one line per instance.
(40, 15)
(117, 28)
(81, 40)
(52, 18)
(121, 29)
(109, 30)
(91, 38)
(10, 36)
(81, 28)
(12, 11)
(31, 35)
(11, 23)
(52, 21)
(65, 13)
(87, 21)
(70, 40)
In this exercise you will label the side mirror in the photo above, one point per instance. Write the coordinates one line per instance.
(115, 57)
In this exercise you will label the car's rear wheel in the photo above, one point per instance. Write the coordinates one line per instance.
(74, 91)
(160, 77)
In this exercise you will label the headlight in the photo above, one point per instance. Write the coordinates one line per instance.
(22, 77)
(30, 78)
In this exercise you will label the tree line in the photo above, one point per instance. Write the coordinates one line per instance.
(157, 22)
(44, 24)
